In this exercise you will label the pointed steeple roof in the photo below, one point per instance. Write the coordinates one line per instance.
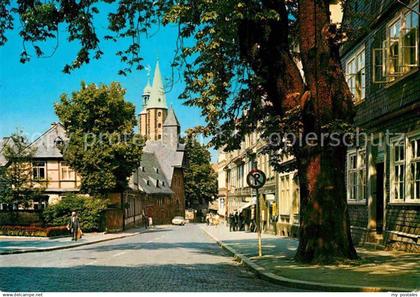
(148, 88)
(171, 119)
(157, 94)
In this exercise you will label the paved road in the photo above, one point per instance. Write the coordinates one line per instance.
(168, 258)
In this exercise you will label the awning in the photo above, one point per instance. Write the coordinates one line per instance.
(270, 197)
(245, 206)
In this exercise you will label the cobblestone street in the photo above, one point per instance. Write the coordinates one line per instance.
(167, 258)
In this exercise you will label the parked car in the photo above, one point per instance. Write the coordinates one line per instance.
(178, 220)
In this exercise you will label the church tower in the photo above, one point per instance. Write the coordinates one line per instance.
(171, 130)
(154, 108)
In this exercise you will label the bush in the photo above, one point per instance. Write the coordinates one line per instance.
(89, 210)
(33, 231)
(20, 218)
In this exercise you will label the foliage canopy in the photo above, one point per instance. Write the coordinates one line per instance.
(102, 146)
(200, 178)
(16, 181)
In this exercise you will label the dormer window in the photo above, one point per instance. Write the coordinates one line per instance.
(157, 183)
(157, 170)
(58, 142)
(148, 182)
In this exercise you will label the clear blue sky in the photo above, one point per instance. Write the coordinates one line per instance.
(28, 91)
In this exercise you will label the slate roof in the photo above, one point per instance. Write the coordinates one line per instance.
(46, 144)
(169, 158)
(149, 177)
(171, 119)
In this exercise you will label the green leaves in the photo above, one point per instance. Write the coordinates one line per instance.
(89, 210)
(219, 48)
(6, 20)
(102, 145)
(200, 178)
(16, 184)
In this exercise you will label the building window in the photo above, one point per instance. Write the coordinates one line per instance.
(355, 75)
(159, 125)
(356, 175)
(398, 182)
(405, 170)
(38, 170)
(159, 114)
(284, 195)
(399, 52)
(240, 175)
(66, 172)
(415, 169)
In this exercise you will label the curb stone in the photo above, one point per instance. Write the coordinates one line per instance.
(294, 283)
(64, 247)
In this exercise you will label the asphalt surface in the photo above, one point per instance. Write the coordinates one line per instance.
(165, 259)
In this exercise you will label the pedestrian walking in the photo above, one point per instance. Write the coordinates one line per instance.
(240, 221)
(145, 220)
(150, 221)
(74, 226)
(236, 221)
(231, 223)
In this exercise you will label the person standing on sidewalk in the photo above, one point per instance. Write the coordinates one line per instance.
(145, 220)
(231, 223)
(74, 225)
(236, 221)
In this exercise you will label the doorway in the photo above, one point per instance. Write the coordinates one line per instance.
(379, 198)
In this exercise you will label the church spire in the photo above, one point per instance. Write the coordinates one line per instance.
(157, 94)
(148, 87)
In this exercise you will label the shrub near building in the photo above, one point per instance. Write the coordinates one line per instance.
(89, 210)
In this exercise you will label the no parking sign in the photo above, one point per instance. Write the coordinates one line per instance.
(256, 179)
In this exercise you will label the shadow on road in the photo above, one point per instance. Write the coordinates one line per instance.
(197, 247)
(146, 278)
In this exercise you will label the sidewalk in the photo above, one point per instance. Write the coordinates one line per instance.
(376, 271)
(20, 244)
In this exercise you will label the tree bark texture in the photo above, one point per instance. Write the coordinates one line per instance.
(324, 221)
(323, 97)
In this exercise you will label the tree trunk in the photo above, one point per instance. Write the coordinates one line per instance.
(324, 222)
(324, 98)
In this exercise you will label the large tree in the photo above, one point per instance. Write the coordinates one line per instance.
(17, 186)
(200, 178)
(102, 146)
(237, 56)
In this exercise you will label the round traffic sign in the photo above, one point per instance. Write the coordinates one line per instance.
(256, 179)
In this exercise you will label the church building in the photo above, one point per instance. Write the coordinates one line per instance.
(157, 186)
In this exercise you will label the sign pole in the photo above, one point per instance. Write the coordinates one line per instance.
(256, 179)
(258, 214)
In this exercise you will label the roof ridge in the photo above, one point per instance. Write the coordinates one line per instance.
(46, 132)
